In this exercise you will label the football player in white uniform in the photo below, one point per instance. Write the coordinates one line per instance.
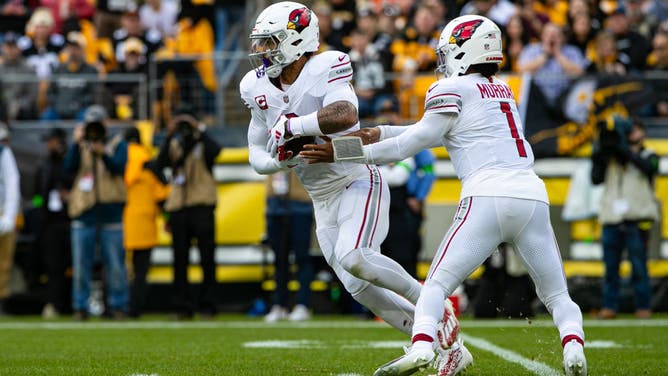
(293, 93)
(473, 114)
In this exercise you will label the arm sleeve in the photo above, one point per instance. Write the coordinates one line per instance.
(12, 185)
(72, 158)
(421, 135)
(389, 131)
(117, 161)
(258, 157)
(211, 150)
(647, 162)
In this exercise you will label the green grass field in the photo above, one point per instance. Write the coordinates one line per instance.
(327, 345)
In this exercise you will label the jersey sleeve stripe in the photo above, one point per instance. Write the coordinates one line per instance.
(445, 106)
(442, 95)
(340, 65)
(339, 78)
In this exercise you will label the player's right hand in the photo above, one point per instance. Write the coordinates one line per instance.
(277, 136)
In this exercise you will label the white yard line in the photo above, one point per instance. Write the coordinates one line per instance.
(537, 368)
(316, 324)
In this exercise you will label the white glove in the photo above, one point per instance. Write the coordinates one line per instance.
(289, 161)
(277, 136)
(7, 225)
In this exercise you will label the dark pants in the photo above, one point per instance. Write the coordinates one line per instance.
(141, 260)
(615, 239)
(289, 228)
(57, 258)
(187, 224)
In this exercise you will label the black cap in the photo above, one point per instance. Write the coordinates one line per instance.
(10, 37)
(58, 133)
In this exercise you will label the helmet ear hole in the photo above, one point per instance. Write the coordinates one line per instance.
(460, 56)
(295, 43)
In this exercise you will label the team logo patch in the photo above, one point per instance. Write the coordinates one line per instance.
(463, 32)
(299, 19)
(261, 101)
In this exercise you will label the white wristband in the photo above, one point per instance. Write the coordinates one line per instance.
(306, 125)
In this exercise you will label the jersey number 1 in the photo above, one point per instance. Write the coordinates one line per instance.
(505, 108)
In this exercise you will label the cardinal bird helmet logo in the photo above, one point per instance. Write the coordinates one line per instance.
(299, 19)
(463, 32)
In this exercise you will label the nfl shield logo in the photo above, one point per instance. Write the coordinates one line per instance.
(286, 99)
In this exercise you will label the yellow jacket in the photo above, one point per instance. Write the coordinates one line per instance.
(144, 190)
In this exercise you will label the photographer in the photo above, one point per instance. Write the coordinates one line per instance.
(190, 154)
(96, 208)
(628, 208)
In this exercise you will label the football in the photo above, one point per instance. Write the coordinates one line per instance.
(295, 145)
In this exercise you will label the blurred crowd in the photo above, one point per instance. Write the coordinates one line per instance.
(58, 55)
(554, 40)
(391, 43)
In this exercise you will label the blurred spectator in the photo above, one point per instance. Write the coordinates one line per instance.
(41, 46)
(440, 10)
(145, 190)
(342, 23)
(323, 11)
(640, 20)
(190, 152)
(62, 10)
(604, 59)
(14, 15)
(556, 10)
(628, 208)
(18, 97)
(95, 206)
(108, 15)
(69, 94)
(533, 19)
(582, 33)
(514, 41)
(126, 94)
(370, 85)
(52, 189)
(132, 27)
(160, 16)
(659, 57)
(386, 30)
(498, 11)
(414, 53)
(551, 62)
(10, 197)
(289, 226)
(186, 59)
(633, 48)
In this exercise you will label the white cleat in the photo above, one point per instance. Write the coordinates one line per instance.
(453, 360)
(411, 362)
(299, 313)
(575, 363)
(277, 313)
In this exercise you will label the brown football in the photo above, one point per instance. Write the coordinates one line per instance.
(296, 145)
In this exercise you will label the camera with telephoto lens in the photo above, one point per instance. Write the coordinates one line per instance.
(613, 134)
(95, 131)
(185, 134)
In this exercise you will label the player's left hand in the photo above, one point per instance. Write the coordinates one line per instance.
(278, 136)
(318, 153)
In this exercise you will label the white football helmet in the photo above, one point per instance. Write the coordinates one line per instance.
(283, 32)
(468, 40)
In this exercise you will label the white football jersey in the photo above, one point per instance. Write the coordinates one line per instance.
(486, 144)
(322, 74)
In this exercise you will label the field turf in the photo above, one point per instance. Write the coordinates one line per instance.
(327, 345)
